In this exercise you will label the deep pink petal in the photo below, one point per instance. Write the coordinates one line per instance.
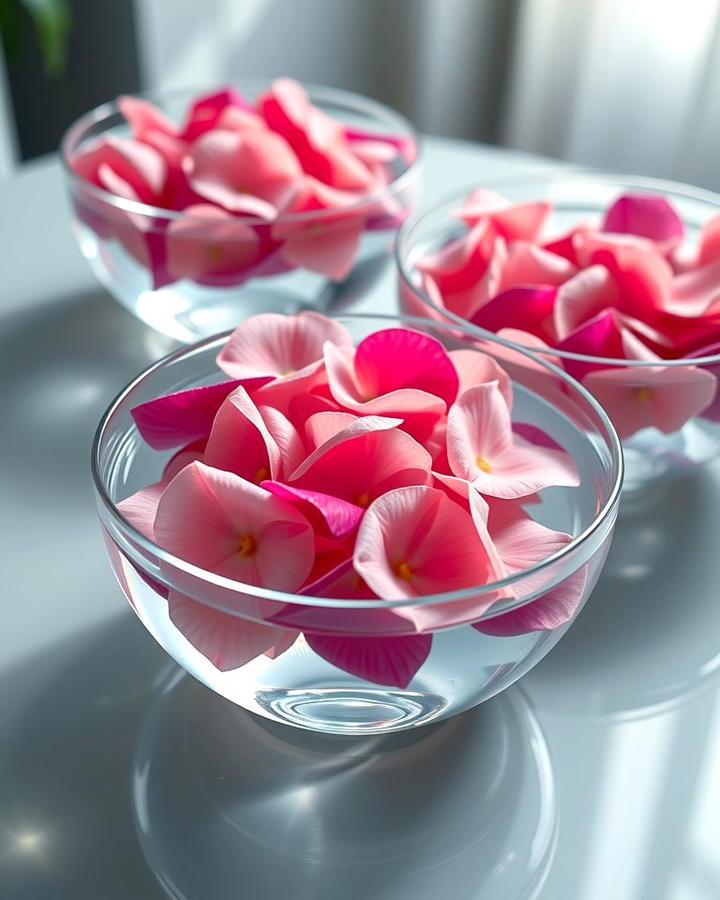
(647, 215)
(273, 344)
(528, 307)
(338, 517)
(382, 660)
(396, 358)
(185, 415)
(206, 110)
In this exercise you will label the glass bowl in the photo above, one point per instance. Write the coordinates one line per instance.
(478, 641)
(667, 414)
(193, 275)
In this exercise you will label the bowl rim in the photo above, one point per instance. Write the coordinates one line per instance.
(602, 516)
(404, 246)
(75, 132)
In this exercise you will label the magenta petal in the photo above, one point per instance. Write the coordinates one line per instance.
(339, 517)
(528, 307)
(646, 215)
(185, 415)
(397, 358)
(382, 660)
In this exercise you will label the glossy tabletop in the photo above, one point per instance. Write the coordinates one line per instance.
(597, 778)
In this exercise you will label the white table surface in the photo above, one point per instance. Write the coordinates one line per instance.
(628, 701)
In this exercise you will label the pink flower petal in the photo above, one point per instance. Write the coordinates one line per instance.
(664, 397)
(647, 215)
(482, 450)
(515, 222)
(529, 307)
(582, 297)
(601, 336)
(528, 264)
(191, 452)
(338, 517)
(642, 276)
(397, 358)
(240, 441)
(143, 117)
(209, 242)
(315, 137)
(228, 641)
(220, 522)
(415, 541)
(185, 415)
(141, 508)
(404, 146)
(419, 410)
(474, 367)
(363, 461)
(253, 172)
(322, 426)
(382, 660)
(277, 345)
(709, 251)
(206, 110)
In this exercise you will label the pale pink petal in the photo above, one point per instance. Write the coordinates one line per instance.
(534, 435)
(479, 430)
(515, 222)
(529, 264)
(329, 248)
(525, 371)
(396, 358)
(233, 118)
(278, 345)
(710, 241)
(404, 146)
(643, 278)
(141, 508)
(647, 215)
(143, 117)
(664, 397)
(382, 660)
(482, 449)
(226, 640)
(135, 163)
(529, 307)
(322, 426)
(209, 242)
(287, 438)
(696, 292)
(191, 452)
(219, 521)
(582, 297)
(415, 541)
(339, 517)
(254, 172)
(284, 641)
(185, 415)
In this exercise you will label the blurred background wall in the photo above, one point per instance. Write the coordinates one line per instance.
(632, 85)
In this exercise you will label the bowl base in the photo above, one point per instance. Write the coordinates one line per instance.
(228, 804)
(351, 711)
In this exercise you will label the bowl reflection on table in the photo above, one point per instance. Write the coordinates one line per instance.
(195, 275)
(227, 804)
(472, 649)
(667, 413)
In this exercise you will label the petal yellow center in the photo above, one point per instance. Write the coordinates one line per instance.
(261, 474)
(363, 500)
(246, 545)
(643, 394)
(483, 464)
(214, 252)
(403, 570)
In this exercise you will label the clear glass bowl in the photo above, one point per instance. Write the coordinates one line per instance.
(474, 654)
(192, 276)
(632, 392)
